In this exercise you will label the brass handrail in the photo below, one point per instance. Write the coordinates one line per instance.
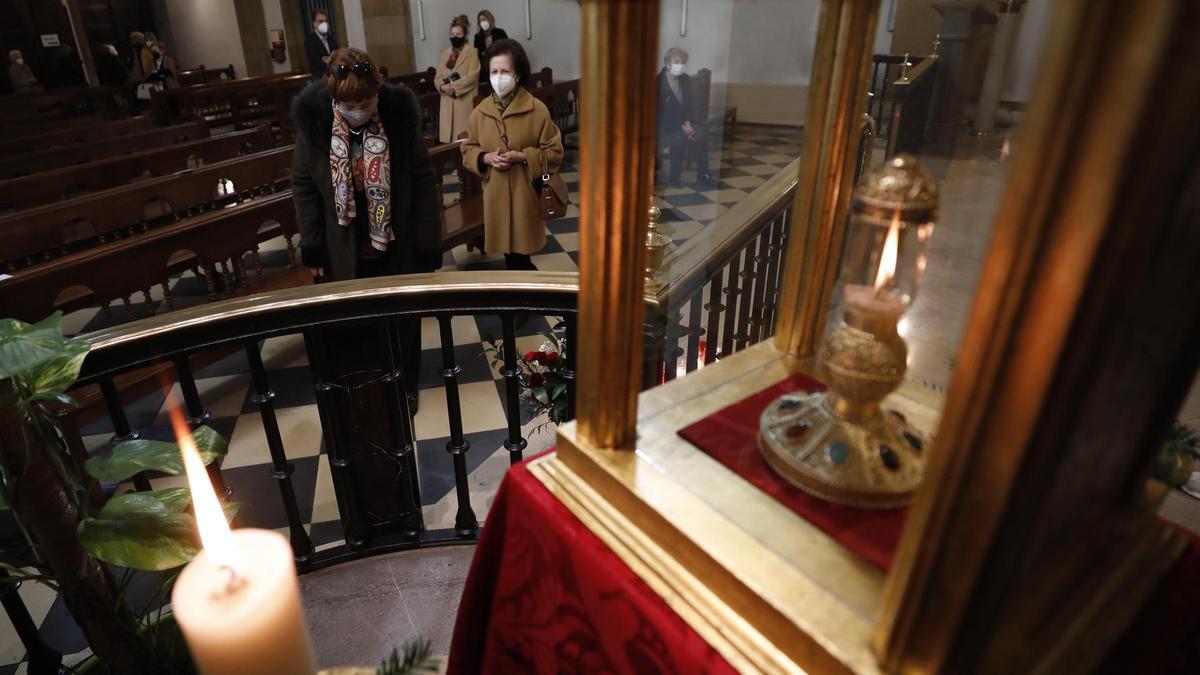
(692, 264)
(293, 309)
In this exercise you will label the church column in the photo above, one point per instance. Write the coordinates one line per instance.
(960, 22)
(1002, 44)
(82, 44)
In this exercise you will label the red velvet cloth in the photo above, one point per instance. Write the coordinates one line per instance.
(730, 436)
(545, 595)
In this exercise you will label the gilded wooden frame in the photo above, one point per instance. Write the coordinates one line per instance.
(1014, 529)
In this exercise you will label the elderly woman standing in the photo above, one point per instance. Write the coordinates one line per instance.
(457, 79)
(363, 185)
(512, 139)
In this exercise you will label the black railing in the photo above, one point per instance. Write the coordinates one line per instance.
(725, 282)
(374, 471)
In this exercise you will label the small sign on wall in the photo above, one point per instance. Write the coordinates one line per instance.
(50, 40)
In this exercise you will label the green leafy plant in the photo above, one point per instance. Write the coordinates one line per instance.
(416, 659)
(70, 536)
(543, 382)
(1180, 453)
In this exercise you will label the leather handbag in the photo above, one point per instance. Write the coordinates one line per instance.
(552, 195)
(549, 189)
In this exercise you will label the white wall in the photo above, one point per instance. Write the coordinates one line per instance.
(357, 35)
(273, 14)
(205, 32)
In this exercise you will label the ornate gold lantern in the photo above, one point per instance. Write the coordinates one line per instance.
(839, 444)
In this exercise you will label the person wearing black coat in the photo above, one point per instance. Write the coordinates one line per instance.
(676, 130)
(319, 43)
(488, 33)
(336, 252)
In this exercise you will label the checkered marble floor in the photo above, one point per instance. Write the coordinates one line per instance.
(741, 164)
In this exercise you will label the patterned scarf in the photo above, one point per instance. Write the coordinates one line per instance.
(376, 178)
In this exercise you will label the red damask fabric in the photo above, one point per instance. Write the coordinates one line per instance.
(546, 596)
(730, 436)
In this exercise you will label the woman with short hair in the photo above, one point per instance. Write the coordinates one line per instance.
(363, 185)
(511, 140)
(457, 81)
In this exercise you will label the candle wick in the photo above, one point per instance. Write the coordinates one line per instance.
(232, 582)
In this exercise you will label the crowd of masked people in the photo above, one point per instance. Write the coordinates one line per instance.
(148, 67)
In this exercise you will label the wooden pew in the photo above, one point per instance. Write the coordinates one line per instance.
(57, 184)
(419, 82)
(216, 242)
(562, 100)
(462, 218)
(431, 106)
(202, 75)
(44, 160)
(39, 123)
(31, 236)
(240, 103)
(71, 101)
(57, 137)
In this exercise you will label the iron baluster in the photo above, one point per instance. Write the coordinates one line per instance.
(515, 443)
(465, 523)
(282, 470)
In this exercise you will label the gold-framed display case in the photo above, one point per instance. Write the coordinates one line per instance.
(1032, 539)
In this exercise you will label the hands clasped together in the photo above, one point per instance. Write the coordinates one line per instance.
(503, 161)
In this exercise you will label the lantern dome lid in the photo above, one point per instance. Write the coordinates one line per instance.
(901, 185)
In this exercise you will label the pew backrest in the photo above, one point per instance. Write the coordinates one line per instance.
(67, 102)
(71, 181)
(562, 100)
(54, 158)
(73, 135)
(420, 82)
(240, 103)
(117, 270)
(203, 75)
(31, 236)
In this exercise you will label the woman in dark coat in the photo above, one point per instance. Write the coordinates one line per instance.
(365, 221)
(488, 33)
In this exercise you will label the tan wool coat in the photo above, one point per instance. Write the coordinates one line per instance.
(512, 221)
(454, 111)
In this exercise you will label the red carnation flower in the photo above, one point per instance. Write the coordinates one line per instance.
(531, 356)
(536, 380)
(540, 357)
(552, 357)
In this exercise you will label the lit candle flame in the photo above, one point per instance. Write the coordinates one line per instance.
(210, 518)
(887, 259)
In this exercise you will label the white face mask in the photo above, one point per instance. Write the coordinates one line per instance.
(323, 28)
(677, 69)
(356, 118)
(502, 84)
(486, 25)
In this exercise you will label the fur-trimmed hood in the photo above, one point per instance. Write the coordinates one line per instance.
(312, 111)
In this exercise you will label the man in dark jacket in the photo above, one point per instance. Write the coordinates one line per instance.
(675, 111)
(319, 44)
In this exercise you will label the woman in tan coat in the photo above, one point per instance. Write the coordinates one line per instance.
(512, 139)
(458, 80)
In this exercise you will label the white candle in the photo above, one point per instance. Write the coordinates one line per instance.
(237, 603)
(878, 301)
(251, 623)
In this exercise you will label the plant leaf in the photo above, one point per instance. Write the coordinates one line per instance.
(146, 530)
(25, 347)
(132, 457)
(540, 395)
(139, 531)
(58, 374)
(60, 397)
